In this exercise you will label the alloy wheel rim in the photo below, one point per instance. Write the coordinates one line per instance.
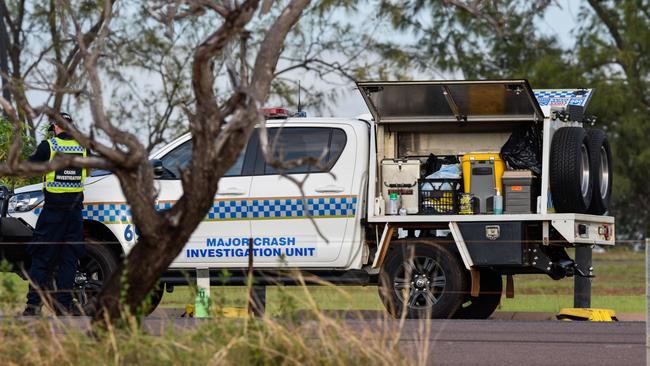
(419, 283)
(88, 281)
(604, 173)
(584, 170)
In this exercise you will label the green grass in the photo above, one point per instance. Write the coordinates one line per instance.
(619, 285)
(553, 303)
(366, 298)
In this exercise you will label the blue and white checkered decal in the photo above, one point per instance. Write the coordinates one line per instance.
(245, 209)
(562, 97)
(108, 213)
(283, 208)
(56, 147)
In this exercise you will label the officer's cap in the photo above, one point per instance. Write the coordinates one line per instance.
(63, 115)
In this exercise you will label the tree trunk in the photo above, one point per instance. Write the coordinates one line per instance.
(130, 284)
(4, 58)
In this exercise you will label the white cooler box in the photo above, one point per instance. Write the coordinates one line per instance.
(401, 176)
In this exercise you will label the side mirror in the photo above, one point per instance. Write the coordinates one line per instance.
(158, 168)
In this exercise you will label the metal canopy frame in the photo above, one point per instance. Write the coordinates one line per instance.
(457, 101)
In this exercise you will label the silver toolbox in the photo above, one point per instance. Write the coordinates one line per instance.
(401, 176)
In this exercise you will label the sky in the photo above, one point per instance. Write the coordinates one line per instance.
(559, 20)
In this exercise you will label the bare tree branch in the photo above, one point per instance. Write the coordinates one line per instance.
(609, 22)
(476, 8)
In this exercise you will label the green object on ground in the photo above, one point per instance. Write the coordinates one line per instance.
(201, 304)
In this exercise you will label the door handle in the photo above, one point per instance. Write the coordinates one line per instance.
(329, 189)
(231, 192)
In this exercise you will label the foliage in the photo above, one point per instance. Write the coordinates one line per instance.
(614, 50)
(6, 138)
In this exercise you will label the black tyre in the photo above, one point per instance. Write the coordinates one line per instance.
(570, 174)
(600, 162)
(486, 303)
(422, 280)
(95, 267)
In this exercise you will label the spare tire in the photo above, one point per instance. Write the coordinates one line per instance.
(569, 175)
(600, 161)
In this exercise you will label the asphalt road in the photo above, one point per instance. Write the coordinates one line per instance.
(501, 342)
(508, 342)
(482, 342)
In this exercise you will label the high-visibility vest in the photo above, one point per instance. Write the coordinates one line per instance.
(66, 180)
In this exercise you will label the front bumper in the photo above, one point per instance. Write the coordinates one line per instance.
(15, 233)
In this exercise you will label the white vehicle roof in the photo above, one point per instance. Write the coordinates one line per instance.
(280, 122)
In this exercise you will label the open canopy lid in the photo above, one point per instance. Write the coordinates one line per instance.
(450, 101)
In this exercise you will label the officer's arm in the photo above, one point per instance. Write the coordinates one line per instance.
(41, 154)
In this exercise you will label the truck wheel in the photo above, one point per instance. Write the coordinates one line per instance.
(600, 162)
(483, 306)
(422, 280)
(570, 177)
(95, 267)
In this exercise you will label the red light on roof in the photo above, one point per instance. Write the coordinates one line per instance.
(275, 113)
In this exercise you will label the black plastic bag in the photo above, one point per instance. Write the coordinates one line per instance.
(431, 166)
(523, 150)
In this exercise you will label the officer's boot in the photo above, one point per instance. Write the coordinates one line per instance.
(32, 310)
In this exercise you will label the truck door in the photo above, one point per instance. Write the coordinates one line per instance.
(311, 229)
(221, 239)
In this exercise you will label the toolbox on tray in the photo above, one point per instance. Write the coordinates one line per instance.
(400, 177)
(482, 176)
(439, 196)
(520, 192)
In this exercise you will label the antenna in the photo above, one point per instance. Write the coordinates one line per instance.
(299, 106)
(300, 113)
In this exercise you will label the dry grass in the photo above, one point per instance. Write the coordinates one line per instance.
(295, 337)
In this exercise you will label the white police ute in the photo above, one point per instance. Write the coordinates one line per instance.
(404, 199)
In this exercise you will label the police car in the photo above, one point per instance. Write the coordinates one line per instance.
(425, 264)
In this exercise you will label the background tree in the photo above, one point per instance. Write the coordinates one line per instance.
(206, 77)
(216, 144)
(43, 59)
(613, 49)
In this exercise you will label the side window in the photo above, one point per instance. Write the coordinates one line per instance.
(236, 168)
(178, 159)
(295, 143)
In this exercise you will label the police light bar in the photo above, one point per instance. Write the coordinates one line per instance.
(275, 113)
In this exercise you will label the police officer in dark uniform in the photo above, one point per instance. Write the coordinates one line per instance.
(60, 223)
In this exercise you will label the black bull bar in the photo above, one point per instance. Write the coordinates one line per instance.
(14, 234)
